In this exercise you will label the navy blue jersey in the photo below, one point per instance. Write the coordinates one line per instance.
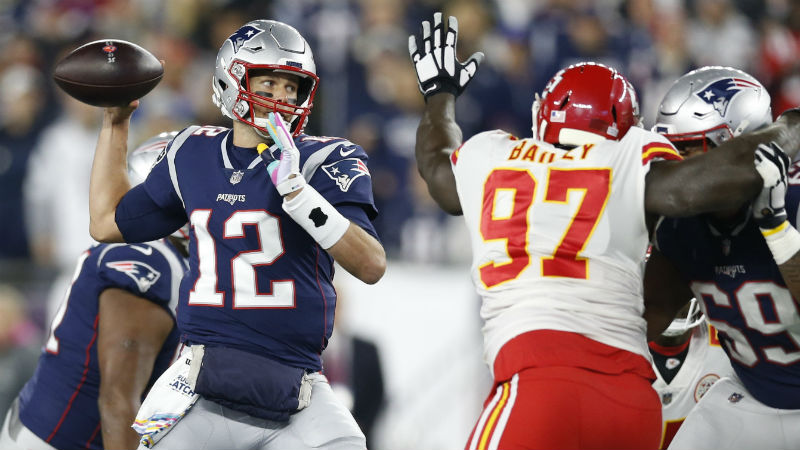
(745, 297)
(59, 403)
(257, 282)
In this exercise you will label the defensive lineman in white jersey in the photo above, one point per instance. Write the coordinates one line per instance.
(578, 272)
(597, 165)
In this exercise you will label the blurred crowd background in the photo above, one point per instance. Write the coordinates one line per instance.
(368, 93)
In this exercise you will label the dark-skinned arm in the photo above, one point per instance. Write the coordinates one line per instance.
(721, 179)
(131, 332)
(665, 293)
(441, 78)
(790, 271)
(438, 135)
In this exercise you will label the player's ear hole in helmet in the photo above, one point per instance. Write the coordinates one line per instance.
(256, 47)
(583, 103)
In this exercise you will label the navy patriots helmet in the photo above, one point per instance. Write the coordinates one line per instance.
(711, 105)
(264, 45)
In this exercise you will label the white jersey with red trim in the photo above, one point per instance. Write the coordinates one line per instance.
(705, 363)
(558, 236)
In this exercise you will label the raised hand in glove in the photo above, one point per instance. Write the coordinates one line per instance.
(772, 164)
(285, 172)
(434, 58)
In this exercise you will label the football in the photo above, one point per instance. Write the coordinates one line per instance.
(108, 72)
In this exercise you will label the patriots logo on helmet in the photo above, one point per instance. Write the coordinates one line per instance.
(346, 171)
(243, 35)
(144, 275)
(720, 93)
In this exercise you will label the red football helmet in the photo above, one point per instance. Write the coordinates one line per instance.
(583, 103)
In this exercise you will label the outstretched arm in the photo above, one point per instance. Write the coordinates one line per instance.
(721, 179)
(438, 135)
(441, 78)
(109, 178)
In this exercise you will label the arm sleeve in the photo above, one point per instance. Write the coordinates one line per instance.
(140, 219)
(358, 215)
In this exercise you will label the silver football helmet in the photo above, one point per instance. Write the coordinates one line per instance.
(260, 45)
(688, 317)
(713, 104)
(142, 159)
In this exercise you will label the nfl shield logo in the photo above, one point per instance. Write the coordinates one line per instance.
(236, 176)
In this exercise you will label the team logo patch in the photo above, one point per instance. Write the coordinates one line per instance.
(672, 363)
(346, 171)
(243, 35)
(144, 275)
(558, 116)
(236, 176)
(720, 93)
(109, 50)
(666, 398)
(704, 385)
(736, 397)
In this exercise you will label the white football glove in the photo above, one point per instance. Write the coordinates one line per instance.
(772, 164)
(435, 61)
(285, 172)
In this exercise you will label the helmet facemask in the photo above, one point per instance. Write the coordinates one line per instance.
(295, 111)
(259, 46)
(709, 139)
(689, 317)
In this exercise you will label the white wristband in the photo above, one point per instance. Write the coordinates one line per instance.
(317, 216)
(783, 241)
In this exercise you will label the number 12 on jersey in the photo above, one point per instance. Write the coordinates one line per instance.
(514, 228)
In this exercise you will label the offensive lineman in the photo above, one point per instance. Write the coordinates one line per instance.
(742, 263)
(559, 227)
(113, 335)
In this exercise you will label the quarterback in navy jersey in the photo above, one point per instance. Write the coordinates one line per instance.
(741, 264)
(111, 338)
(271, 209)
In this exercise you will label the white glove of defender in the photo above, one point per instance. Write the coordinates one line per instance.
(435, 62)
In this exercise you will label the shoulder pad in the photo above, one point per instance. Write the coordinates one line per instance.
(330, 152)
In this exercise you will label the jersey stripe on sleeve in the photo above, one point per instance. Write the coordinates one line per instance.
(659, 150)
